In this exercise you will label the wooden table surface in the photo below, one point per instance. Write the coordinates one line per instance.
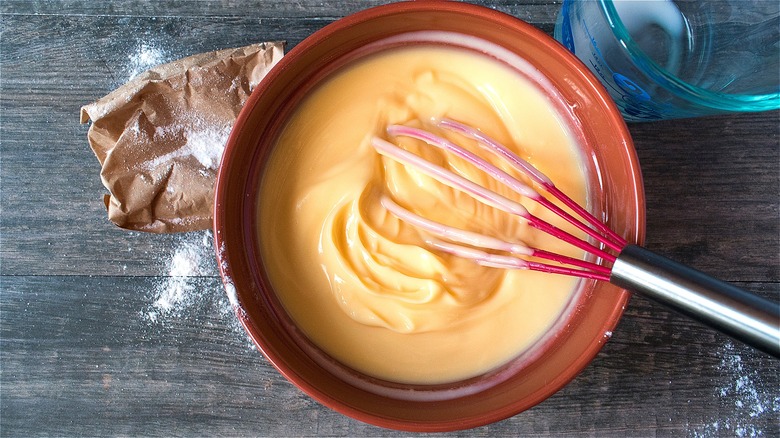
(94, 340)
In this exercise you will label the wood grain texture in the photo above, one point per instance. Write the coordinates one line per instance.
(88, 349)
(703, 179)
(537, 12)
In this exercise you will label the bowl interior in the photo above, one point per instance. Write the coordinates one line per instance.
(615, 193)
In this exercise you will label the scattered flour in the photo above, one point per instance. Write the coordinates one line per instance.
(207, 145)
(756, 398)
(145, 56)
(202, 140)
(230, 288)
(186, 265)
(192, 287)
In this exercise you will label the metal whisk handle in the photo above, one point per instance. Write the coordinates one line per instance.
(729, 309)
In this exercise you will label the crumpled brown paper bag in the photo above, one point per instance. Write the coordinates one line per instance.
(160, 137)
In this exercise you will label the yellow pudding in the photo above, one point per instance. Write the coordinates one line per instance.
(363, 285)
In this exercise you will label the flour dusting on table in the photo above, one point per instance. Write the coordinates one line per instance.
(146, 55)
(180, 290)
(755, 397)
(192, 287)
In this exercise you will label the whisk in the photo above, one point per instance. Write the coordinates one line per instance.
(729, 309)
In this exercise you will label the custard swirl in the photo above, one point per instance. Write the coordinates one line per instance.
(364, 286)
(406, 286)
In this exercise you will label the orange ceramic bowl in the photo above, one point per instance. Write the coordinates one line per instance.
(615, 191)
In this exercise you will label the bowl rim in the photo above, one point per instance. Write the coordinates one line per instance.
(223, 175)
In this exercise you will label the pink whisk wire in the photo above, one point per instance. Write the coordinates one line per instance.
(472, 245)
(538, 177)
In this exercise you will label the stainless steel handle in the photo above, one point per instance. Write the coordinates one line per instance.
(729, 309)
